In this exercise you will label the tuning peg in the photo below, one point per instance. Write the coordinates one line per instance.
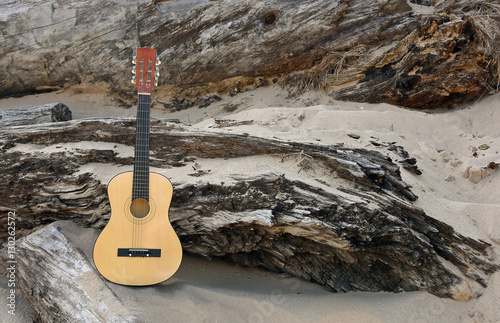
(133, 70)
(157, 71)
(134, 60)
(133, 79)
(158, 62)
(156, 83)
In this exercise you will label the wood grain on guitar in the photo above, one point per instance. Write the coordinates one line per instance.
(139, 246)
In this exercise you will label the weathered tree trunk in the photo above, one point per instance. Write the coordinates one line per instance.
(336, 216)
(59, 281)
(52, 112)
(420, 54)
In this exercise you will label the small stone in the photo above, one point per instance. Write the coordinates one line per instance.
(465, 172)
(449, 178)
(475, 174)
(473, 151)
(354, 136)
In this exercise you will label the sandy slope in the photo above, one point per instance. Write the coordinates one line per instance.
(443, 142)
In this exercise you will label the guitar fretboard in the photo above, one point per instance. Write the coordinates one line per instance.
(140, 186)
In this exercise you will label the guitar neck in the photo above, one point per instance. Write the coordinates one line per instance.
(140, 187)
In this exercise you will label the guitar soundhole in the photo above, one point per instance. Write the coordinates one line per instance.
(139, 208)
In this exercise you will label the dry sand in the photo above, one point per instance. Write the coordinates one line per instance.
(446, 145)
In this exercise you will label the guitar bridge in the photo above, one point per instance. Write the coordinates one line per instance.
(139, 252)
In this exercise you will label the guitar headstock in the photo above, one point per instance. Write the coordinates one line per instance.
(145, 70)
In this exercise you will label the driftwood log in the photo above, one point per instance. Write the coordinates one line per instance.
(52, 112)
(420, 54)
(336, 216)
(59, 281)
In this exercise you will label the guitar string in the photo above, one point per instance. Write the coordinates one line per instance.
(139, 160)
(134, 180)
(141, 166)
(136, 171)
(146, 112)
(141, 182)
(143, 174)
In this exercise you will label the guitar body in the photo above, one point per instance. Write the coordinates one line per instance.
(141, 250)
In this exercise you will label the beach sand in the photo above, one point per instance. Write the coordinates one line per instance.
(446, 145)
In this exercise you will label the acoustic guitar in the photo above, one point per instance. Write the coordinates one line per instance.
(138, 246)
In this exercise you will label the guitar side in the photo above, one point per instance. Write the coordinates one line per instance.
(138, 251)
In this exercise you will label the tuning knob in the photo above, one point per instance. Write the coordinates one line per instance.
(133, 80)
(134, 60)
(157, 73)
(133, 70)
(158, 62)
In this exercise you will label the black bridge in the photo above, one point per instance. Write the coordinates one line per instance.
(138, 252)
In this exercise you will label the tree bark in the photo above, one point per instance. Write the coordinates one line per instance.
(419, 54)
(336, 216)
